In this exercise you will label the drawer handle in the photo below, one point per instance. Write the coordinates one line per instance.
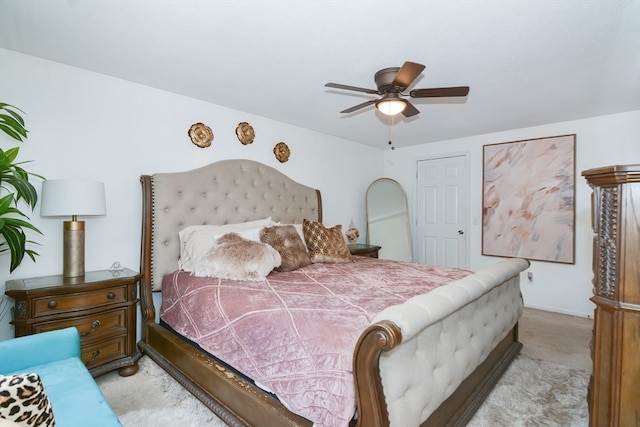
(111, 295)
(95, 354)
(52, 304)
(95, 324)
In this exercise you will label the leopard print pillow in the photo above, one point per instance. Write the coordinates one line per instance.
(325, 244)
(24, 400)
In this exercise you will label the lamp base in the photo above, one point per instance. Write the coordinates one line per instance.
(73, 250)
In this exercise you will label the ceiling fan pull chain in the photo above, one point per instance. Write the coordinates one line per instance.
(390, 135)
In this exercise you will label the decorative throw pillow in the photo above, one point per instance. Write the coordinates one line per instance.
(286, 240)
(325, 244)
(24, 400)
(196, 240)
(237, 258)
(298, 228)
(8, 423)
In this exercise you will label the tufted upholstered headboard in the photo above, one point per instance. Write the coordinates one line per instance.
(225, 192)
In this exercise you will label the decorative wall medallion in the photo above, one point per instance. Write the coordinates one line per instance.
(282, 152)
(201, 135)
(245, 133)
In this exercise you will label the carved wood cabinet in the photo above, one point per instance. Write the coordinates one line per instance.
(101, 305)
(614, 388)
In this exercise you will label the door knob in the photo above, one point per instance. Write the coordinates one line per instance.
(460, 231)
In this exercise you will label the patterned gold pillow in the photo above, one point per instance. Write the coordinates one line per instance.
(23, 399)
(286, 240)
(325, 244)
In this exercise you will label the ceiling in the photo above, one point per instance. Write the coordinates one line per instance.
(527, 62)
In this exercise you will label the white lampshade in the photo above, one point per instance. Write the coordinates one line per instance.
(391, 107)
(69, 197)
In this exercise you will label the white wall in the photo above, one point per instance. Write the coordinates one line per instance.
(91, 126)
(600, 141)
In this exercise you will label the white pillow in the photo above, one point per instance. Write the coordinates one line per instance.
(197, 240)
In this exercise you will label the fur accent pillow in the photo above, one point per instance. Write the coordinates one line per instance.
(196, 240)
(236, 258)
(325, 244)
(286, 240)
(24, 400)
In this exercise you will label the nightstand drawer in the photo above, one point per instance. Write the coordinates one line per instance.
(78, 301)
(102, 352)
(91, 326)
(101, 305)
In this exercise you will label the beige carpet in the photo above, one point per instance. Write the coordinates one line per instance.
(545, 386)
(558, 338)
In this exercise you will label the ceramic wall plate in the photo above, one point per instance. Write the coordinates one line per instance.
(245, 133)
(282, 152)
(201, 135)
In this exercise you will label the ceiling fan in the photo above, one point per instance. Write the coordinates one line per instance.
(391, 82)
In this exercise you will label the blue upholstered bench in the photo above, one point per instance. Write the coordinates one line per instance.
(75, 398)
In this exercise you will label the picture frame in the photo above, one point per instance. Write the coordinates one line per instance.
(528, 199)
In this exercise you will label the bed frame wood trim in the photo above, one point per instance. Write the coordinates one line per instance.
(240, 403)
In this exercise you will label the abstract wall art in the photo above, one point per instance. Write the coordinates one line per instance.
(528, 199)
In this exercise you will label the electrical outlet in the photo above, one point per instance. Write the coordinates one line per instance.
(530, 276)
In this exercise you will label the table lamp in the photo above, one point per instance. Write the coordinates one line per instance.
(69, 197)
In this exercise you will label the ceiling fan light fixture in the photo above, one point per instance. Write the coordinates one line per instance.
(391, 83)
(391, 106)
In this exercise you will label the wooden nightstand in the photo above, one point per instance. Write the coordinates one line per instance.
(364, 250)
(101, 305)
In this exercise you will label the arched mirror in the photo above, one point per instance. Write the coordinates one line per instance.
(388, 220)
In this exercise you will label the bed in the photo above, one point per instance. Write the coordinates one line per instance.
(429, 361)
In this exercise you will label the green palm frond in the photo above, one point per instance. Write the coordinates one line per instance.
(14, 180)
(11, 122)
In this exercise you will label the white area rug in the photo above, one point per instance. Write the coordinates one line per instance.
(536, 393)
(531, 393)
(152, 398)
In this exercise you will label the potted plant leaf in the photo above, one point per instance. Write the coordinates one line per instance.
(15, 189)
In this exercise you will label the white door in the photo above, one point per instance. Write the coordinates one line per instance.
(441, 212)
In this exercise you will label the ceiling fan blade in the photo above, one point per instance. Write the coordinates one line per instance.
(359, 106)
(407, 74)
(409, 110)
(440, 92)
(358, 89)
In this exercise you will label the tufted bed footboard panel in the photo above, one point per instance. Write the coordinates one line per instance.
(446, 335)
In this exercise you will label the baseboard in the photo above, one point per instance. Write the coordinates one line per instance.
(559, 311)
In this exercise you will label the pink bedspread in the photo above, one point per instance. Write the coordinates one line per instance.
(294, 333)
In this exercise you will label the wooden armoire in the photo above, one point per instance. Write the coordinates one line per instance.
(614, 388)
